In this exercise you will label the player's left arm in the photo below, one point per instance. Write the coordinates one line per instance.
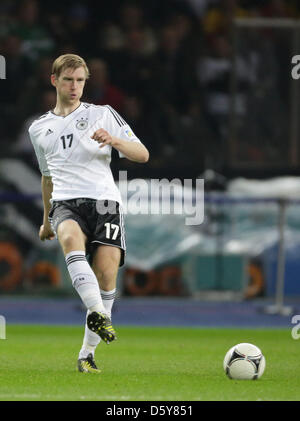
(134, 151)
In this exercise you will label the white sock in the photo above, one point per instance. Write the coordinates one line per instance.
(84, 281)
(91, 340)
(108, 298)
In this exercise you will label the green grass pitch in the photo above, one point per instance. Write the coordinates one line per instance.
(38, 363)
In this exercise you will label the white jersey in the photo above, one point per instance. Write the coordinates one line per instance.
(66, 152)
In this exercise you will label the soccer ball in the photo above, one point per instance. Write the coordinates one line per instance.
(244, 362)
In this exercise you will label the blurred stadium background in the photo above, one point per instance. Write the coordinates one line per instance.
(207, 86)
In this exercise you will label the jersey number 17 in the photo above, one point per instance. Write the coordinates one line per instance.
(65, 138)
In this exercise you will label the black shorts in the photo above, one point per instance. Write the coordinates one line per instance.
(100, 220)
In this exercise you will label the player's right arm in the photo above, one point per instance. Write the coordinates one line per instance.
(36, 133)
(46, 232)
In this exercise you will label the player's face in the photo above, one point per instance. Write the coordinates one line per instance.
(70, 84)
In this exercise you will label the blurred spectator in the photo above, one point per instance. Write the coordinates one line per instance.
(129, 67)
(145, 125)
(113, 37)
(189, 33)
(199, 7)
(6, 17)
(218, 19)
(281, 41)
(278, 9)
(80, 29)
(110, 37)
(183, 24)
(131, 18)
(23, 147)
(37, 82)
(173, 74)
(214, 72)
(17, 71)
(55, 21)
(192, 133)
(36, 42)
(99, 90)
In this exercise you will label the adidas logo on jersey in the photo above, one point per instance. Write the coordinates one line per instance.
(49, 131)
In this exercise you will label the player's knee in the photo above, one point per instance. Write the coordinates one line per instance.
(70, 237)
(70, 241)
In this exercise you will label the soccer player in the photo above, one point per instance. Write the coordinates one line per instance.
(82, 204)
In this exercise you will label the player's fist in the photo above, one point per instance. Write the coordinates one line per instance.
(46, 233)
(103, 137)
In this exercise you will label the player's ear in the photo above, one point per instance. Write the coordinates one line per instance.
(53, 80)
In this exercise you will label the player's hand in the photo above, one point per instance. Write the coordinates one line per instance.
(103, 137)
(46, 233)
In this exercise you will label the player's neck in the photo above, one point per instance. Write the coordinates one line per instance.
(63, 109)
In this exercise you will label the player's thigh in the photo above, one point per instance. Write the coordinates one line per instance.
(106, 261)
(70, 236)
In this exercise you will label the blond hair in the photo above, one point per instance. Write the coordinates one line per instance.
(69, 61)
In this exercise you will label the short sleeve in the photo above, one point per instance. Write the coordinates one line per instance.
(39, 154)
(118, 127)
